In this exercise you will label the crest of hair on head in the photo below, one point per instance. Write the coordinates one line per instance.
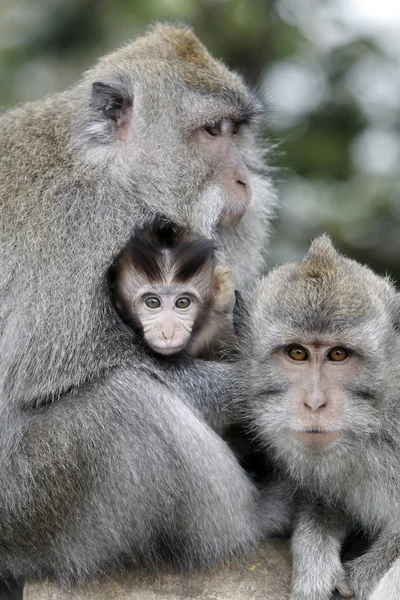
(320, 260)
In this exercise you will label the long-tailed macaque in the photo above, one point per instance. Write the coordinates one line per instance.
(106, 453)
(321, 347)
(167, 286)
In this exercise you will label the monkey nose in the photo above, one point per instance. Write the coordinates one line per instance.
(242, 177)
(243, 186)
(315, 404)
(167, 335)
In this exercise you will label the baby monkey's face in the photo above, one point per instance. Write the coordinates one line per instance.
(167, 317)
(165, 283)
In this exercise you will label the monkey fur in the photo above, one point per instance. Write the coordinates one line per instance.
(333, 428)
(106, 455)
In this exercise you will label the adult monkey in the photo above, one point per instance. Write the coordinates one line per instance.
(104, 455)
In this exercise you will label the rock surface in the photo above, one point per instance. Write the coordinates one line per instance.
(263, 576)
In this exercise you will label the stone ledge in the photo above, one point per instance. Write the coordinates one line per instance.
(263, 576)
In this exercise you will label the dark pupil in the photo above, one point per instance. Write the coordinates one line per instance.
(152, 302)
(338, 354)
(214, 129)
(182, 303)
(298, 353)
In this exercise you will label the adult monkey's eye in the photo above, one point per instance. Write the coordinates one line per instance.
(297, 353)
(213, 130)
(183, 302)
(337, 354)
(235, 128)
(152, 302)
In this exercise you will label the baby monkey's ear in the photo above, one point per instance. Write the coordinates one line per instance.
(224, 288)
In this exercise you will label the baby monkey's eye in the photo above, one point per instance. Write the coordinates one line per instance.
(183, 302)
(297, 353)
(213, 130)
(337, 354)
(152, 302)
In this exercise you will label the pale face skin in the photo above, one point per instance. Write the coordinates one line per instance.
(316, 374)
(220, 140)
(167, 317)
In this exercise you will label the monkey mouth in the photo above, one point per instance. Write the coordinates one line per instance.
(168, 349)
(315, 437)
(232, 215)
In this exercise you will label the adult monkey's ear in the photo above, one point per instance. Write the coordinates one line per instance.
(111, 110)
(240, 315)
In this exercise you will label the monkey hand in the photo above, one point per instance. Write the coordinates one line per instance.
(376, 574)
(225, 289)
(343, 587)
(324, 589)
(361, 577)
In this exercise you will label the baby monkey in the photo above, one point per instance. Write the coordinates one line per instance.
(167, 286)
(321, 382)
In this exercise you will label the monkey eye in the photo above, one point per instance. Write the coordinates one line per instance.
(297, 353)
(183, 302)
(213, 130)
(235, 127)
(337, 354)
(152, 302)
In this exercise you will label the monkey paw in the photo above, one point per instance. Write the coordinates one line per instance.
(225, 287)
(325, 589)
(361, 576)
(343, 587)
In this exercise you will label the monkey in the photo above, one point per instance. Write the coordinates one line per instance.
(321, 377)
(108, 456)
(167, 286)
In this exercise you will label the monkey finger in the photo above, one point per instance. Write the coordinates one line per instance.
(343, 588)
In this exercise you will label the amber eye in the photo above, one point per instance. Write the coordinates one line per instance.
(213, 130)
(183, 302)
(297, 353)
(337, 354)
(152, 302)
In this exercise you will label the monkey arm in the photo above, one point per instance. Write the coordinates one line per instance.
(207, 385)
(377, 572)
(316, 545)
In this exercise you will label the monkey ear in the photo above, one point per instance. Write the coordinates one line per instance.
(111, 108)
(240, 315)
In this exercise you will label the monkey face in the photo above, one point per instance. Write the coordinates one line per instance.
(167, 319)
(316, 374)
(211, 165)
(232, 182)
(319, 335)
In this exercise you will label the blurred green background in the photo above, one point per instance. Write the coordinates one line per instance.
(331, 73)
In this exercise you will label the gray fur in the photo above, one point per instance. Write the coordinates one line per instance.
(358, 476)
(105, 454)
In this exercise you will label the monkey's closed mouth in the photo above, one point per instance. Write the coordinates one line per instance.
(316, 431)
(316, 436)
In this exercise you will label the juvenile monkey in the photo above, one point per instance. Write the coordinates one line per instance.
(321, 349)
(167, 286)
